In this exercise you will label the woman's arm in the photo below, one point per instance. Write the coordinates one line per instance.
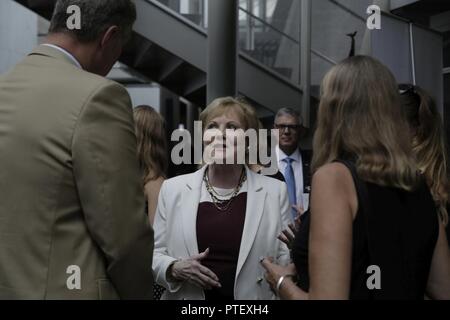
(438, 286)
(333, 207)
(285, 288)
(152, 189)
(290, 291)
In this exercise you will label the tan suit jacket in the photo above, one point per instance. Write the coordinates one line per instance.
(72, 217)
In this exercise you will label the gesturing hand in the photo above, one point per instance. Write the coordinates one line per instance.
(192, 271)
(287, 236)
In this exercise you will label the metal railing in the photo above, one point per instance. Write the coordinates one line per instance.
(348, 10)
(259, 39)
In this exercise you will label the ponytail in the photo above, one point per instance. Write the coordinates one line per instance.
(429, 144)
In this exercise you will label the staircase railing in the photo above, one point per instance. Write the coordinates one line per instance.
(258, 38)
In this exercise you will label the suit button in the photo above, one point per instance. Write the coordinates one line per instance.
(259, 280)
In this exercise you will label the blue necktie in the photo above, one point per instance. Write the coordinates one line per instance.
(290, 181)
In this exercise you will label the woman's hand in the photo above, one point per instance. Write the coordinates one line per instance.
(192, 271)
(288, 290)
(287, 236)
(275, 272)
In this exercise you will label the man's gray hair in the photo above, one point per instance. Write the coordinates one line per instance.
(289, 112)
(96, 17)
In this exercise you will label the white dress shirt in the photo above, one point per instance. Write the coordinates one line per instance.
(297, 166)
(68, 54)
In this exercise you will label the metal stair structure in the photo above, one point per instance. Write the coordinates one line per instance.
(421, 11)
(171, 50)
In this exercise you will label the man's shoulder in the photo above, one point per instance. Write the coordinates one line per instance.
(89, 82)
(61, 75)
(81, 87)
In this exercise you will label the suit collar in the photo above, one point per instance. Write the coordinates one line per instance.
(296, 156)
(196, 180)
(256, 198)
(57, 53)
(190, 200)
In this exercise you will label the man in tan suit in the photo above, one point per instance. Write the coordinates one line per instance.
(72, 217)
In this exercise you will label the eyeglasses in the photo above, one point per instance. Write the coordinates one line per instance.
(290, 127)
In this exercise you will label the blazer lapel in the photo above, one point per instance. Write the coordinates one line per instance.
(189, 206)
(256, 197)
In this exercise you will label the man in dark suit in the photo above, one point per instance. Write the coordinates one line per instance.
(72, 217)
(293, 162)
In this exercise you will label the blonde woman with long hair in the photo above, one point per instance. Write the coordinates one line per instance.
(374, 231)
(152, 153)
(153, 161)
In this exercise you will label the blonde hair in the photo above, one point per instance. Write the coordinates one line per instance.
(151, 143)
(359, 118)
(429, 144)
(225, 105)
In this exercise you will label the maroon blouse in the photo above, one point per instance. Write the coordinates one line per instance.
(221, 232)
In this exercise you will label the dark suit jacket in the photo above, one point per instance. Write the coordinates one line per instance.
(71, 194)
(306, 160)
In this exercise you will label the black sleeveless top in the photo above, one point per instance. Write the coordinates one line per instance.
(393, 229)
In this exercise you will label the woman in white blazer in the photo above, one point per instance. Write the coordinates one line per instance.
(214, 226)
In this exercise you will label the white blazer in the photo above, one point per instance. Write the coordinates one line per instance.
(268, 213)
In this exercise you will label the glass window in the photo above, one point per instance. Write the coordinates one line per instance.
(447, 49)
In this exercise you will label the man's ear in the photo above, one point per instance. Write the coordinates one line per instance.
(110, 34)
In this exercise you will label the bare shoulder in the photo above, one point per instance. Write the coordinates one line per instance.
(154, 186)
(334, 182)
(333, 173)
